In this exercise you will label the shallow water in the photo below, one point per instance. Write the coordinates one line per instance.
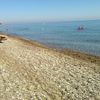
(60, 34)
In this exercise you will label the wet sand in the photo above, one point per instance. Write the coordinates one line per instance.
(31, 71)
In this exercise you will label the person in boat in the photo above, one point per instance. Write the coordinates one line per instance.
(80, 28)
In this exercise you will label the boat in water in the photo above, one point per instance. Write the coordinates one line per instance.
(80, 28)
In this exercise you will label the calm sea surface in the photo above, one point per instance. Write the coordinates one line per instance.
(60, 35)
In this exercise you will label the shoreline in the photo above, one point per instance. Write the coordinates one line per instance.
(30, 70)
(75, 54)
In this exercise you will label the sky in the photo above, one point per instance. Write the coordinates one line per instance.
(48, 10)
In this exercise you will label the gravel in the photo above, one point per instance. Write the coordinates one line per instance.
(32, 72)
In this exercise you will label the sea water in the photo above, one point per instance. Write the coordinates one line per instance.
(60, 35)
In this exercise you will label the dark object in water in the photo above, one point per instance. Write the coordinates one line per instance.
(80, 28)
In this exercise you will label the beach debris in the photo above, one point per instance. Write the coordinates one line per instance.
(2, 38)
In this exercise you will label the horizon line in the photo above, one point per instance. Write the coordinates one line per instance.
(48, 21)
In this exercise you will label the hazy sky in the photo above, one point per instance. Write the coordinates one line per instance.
(48, 10)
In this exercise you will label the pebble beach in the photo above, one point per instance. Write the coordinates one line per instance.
(31, 71)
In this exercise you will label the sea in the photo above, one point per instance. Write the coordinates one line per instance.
(60, 35)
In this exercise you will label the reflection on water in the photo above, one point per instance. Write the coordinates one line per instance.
(61, 34)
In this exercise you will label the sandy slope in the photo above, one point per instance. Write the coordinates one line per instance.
(30, 72)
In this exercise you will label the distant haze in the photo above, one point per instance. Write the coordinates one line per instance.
(48, 10)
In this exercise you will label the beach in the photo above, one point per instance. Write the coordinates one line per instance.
(32, 71)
